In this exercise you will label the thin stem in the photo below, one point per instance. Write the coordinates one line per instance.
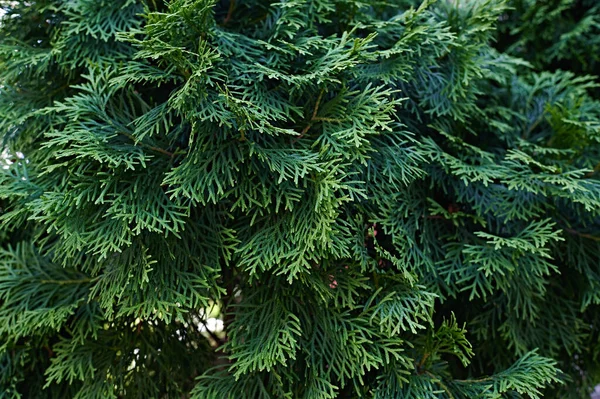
(229, 12)
(65, 282)
(533, 126)
(304, 131)
(50, 351)
(186, 73)
(596, 169)
(474, 381)
(313, 117)
(319, 119)
(584, 235)
(434, 217)
(422, 362)
(441, 384)
(61, 88)
(150, 147)
(314, 114)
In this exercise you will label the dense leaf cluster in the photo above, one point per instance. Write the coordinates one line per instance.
(380, 199)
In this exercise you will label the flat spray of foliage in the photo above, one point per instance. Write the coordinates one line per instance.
(385, 199)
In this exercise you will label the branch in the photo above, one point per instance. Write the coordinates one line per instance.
(423, 359)
(584, 235)
(526, 133)
(475, 381)
(65, 282)
(440, 383)
(150, 147)
(313, 117)
(229, 12)
(596, 169)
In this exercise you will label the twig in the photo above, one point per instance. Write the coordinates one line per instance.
(434, 217)
(58, 90)
(319, 119)
(440, 383)
(157, 149)
(596, 169)
(584, 235)
(186, 73)
(526, 133)
(314, 114)
(475, 380)
(150, 147)
(422, 362)
(64, 282)
(229, 12)
(50, 351)
(313, 117)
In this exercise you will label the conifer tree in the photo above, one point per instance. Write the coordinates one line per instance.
(380, 199)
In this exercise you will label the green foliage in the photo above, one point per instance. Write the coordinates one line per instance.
(375, 199)
(554, 33)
